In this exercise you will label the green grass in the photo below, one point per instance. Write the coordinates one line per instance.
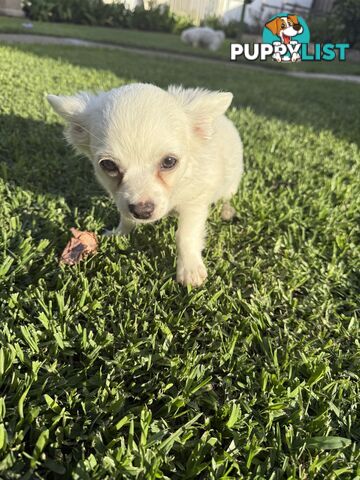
(117, 36)
(111, 370)
(162, 42)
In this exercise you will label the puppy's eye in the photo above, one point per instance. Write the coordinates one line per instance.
(168, 162)
(283, 25)
(109, 167)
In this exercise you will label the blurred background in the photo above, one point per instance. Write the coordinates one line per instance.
(329, 20)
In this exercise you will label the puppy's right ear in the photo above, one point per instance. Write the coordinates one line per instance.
(72, 109)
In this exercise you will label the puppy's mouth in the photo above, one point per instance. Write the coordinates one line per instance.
(151, 219)
(286, 38)
(143, 220)
(290, 32)
(139, 212)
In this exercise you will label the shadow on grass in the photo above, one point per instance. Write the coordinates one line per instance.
(318, 104)
(35, 158)
(56, 187)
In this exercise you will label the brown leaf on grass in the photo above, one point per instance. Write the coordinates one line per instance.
(79, 247)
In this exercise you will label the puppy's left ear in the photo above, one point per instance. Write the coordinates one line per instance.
(203, 107)
(72, 109)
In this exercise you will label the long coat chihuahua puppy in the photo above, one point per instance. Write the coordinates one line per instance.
(157, 151)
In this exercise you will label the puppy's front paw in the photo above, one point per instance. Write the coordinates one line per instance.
(191, 272)
(124, 228)
(116, 231)
(109, 233)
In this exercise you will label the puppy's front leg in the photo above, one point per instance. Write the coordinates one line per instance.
(190, 242)
(124, 228)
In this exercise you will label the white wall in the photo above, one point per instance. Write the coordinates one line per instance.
(258, 9)
(11, 7)
(227, 9)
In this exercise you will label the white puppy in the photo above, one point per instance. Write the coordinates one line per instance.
(158, 151)
(203, 37)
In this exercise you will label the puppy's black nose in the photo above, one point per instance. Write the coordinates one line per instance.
(142, 210)
(297, 26)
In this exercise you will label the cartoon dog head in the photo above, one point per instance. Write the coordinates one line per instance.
(285, 27)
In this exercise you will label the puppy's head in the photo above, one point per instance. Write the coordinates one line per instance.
(141, 140)
(285, 27)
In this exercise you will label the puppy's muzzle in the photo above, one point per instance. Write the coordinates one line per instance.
(141, 210)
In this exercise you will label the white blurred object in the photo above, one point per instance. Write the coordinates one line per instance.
(204, 37)
(28, 25)
(11, 8)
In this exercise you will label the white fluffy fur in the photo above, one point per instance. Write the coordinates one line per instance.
(203, 37)
(136, 126)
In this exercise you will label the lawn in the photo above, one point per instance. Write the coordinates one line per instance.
(110, 369)
(162, 42)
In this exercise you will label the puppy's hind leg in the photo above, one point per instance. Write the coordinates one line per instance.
(227, 212)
